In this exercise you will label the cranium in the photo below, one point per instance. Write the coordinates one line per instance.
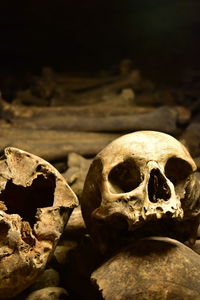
(141, 184)
(35, 204)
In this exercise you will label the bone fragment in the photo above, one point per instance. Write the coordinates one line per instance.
(9, 111)
(190, 138)
(96, 110)
(37, 204)
(163, 119)
(47, 293)
(52, 144)
(76, 173)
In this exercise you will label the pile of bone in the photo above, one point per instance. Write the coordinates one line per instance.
(58, 114)
(140, 203)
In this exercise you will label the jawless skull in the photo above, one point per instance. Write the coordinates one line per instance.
(142, 184)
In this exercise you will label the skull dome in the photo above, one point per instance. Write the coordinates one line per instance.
(142, 183)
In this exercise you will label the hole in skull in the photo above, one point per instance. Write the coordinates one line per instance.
(124, 177)
(24, 201)
(159, 209)
(3, 230)
(177, 170)
(158, 187)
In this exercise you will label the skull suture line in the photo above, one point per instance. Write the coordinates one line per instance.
(144, 183)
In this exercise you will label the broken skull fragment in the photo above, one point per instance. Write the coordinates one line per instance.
(142, 184)
(35, 204)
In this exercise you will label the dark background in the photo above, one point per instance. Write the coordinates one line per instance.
(162, 37)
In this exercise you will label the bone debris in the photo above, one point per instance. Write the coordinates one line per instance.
(52, 90)
(50, 277)
(95, 111)
(191, 137)
(107, 123)
(110, 105)
(76, 173)
(54, 293)
(37, 205)
(150, 121)
(91, 110)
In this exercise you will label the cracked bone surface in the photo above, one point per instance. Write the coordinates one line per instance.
(35, 204)
(143, 183)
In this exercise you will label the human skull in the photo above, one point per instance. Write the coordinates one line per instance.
(35, 204)
(142, 183)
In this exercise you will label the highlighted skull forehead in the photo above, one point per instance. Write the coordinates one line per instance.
(145, 146)
(140, 177)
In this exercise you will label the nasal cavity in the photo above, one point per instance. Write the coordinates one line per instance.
(158, 187)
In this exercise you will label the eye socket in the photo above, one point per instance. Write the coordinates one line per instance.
(177, 170)
(124, 177)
